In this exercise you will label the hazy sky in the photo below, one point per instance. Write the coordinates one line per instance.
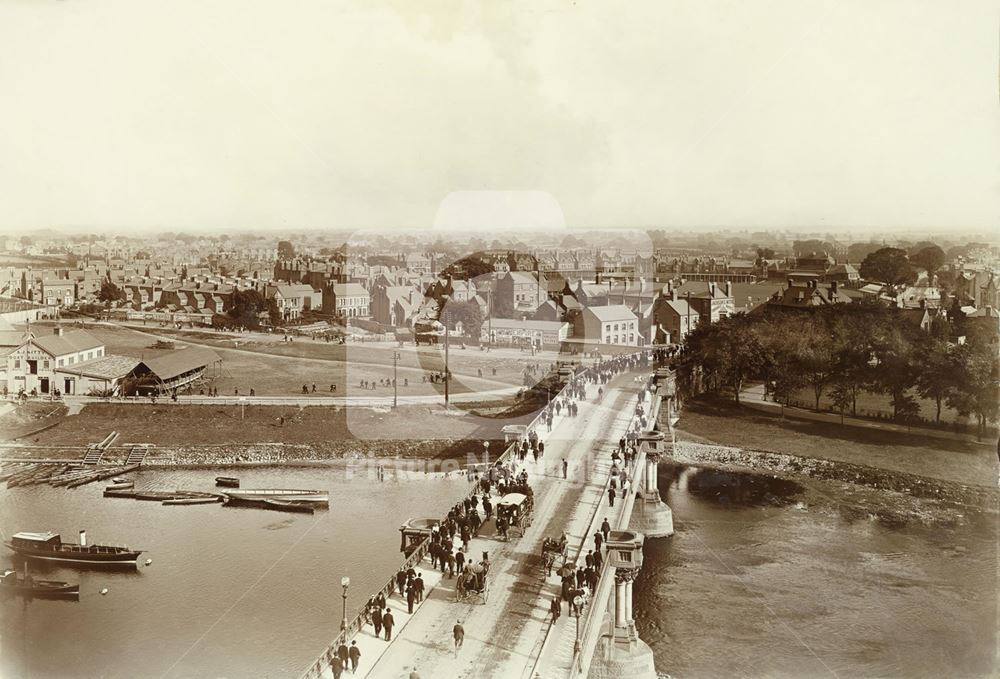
(311, 114)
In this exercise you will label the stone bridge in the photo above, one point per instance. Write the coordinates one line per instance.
(514, 634)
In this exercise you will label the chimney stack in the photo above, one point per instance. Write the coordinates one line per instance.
(673, 294)
(729, 288)
(833, 287)
(83, 538)
(57, 331)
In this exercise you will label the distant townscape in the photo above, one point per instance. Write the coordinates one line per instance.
(574, 291)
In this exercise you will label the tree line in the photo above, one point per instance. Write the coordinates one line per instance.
(844, 351)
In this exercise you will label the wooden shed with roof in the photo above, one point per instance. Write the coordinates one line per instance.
(173, 371)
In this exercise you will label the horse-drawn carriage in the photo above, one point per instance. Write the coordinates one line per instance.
(473, 583)
(514, 511)
(552, 550)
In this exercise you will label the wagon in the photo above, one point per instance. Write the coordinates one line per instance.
(516, 509)
(552, 549)
(472, 583)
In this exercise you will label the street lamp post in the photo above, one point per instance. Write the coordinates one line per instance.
(345, 582)
(395, 390)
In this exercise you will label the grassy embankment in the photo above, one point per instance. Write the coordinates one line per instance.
(207, 433)
(706, 420)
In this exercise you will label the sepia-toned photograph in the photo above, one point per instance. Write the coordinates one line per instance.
(460, 339)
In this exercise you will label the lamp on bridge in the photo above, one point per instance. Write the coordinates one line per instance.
(345, 582)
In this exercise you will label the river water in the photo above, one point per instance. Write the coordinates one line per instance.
(230, 592)
(769, 578)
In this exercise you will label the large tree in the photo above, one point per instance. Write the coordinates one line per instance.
(888, 265)
(856, 252)
(468, 313)
(936, 370)
(930, 258)
(110, 292)
(977, 379)
(247, 307)
(726, 353)
(814, 354)
(896, 366)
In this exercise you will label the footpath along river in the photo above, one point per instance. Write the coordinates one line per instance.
(767, 577)
(230, 593)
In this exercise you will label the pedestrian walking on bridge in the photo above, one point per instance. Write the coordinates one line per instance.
(377, 620)
(387, 622)
(605, 528)
(355, 654)
(555, 608)
(336, 666)
(459, 633)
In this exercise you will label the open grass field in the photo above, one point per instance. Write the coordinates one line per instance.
(722, 422)
(281, 369)
(870, 404)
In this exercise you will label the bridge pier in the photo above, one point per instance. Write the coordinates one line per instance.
(622, 653)
(654, 518)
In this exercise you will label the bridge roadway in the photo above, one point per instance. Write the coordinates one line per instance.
(503, 637)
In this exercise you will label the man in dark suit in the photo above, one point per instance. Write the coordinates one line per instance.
(336, 666)
(401, 580)
(355, 654)
(419, 586)
(387, 622)
(411, 595)
(344, 654)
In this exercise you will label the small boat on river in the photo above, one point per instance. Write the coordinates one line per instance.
(277, 505)
(28, 586)
(318, 497)
(227, 481)
(124, 485)
(282, 506)
(193, 500)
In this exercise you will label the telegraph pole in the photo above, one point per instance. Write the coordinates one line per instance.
(489, 334)
(395, 389)
(447, 322)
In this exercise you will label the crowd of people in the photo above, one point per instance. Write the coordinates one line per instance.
(465, 519)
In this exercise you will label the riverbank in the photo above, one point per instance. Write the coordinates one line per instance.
(886, 495)
(174, 425)
(723, 423)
